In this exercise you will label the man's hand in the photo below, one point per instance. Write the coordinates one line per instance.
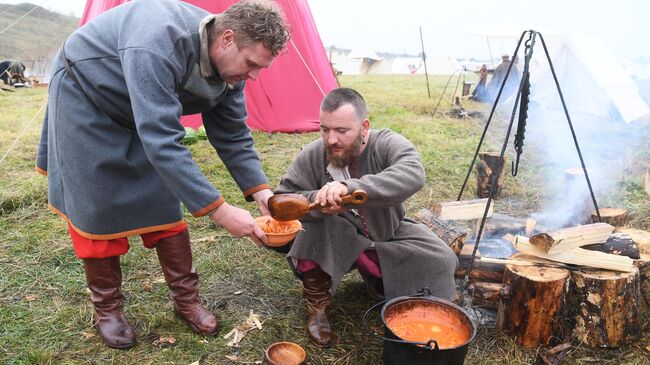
(331, 194)
(239, 223)
(262, 198)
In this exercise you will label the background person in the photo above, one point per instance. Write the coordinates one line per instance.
(110, 140)
(395, 255)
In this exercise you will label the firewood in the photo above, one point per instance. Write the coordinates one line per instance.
(487, 295)
(604, 306)
(501, 224)
(554, 356)
(487, 166)
(480, 271)
(643, 264)
(578, 256)
(616, 217)
(536, 308)
(464, 209)
(530, 227)
(569, 238)
(451, 234)
(642, 238)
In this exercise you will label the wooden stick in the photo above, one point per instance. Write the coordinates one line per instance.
(523, 262)
(464, 209)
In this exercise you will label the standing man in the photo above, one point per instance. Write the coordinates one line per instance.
(512, 84)
(110, 141)
(394, 255)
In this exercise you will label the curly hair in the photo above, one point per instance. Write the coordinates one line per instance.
(253, 21)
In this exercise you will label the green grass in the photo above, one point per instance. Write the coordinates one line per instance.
(45, 314)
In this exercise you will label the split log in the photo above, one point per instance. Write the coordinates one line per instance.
(451, 234)
(536, 310)
(642, 238)
(578, 256)
(463, 209)
(487, 295)
(487, 166)
(578, 190)
(616, 217)
(643, 264)
(604, 305)
(570, 238)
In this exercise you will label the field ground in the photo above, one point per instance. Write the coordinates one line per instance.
(46, 317)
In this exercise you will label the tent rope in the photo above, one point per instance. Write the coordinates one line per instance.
(22, 132)
(308, 69)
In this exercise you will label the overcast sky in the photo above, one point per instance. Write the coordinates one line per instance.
(454, 27)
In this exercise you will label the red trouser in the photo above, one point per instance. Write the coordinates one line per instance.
(86, 248)
(367, 263)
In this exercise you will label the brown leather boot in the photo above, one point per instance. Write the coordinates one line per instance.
(104, 278)
(316, 290)
(175, 256)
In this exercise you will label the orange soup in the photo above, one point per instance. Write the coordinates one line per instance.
(274, 226)
(424, 329)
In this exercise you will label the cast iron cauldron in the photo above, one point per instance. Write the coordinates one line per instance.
(398, 351)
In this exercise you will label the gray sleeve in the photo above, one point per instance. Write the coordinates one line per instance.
(151, 81)
(225, 125)
(402, 173)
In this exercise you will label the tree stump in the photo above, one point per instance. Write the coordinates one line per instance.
(643, 264)
(604, 305)
(487, 166)
(616, 217)
(535, 311)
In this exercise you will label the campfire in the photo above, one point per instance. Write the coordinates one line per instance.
(585, 282)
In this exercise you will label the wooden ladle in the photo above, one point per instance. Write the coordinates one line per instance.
(287, 207)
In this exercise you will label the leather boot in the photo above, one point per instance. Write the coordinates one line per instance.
(104, 278)
(175, 256)
(316, 290)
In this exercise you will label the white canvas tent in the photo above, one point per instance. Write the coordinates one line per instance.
(593, 82)
(440, 65)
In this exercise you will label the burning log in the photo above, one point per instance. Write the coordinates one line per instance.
(501, 224)
(536, 309)
(450, 233)
(643, 264)
(617, 244)
(616, 217)
(642, 238)
(570, 238)
(604, 305)
(464, 209)
(485, 168)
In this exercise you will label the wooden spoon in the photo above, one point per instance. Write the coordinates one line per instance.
(287, 207)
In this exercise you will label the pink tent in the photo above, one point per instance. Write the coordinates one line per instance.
(285, 97)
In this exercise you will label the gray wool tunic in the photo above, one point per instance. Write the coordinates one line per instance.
(390, 171)
(111, 147)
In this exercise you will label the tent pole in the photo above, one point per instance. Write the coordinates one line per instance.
(424, 59)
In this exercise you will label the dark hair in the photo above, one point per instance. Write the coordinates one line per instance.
(255, 20)
(341, 96)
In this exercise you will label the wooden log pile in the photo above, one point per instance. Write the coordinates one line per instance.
(588, 283)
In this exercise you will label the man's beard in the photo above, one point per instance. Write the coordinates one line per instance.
(349, 153)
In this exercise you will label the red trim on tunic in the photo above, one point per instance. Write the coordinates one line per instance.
(253, 190)
(86, 248)
(217, 203)
(111, 236)
(40, 171)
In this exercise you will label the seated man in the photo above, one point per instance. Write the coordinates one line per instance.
(394, 255)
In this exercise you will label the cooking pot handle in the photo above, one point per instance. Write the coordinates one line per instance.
(364, 320)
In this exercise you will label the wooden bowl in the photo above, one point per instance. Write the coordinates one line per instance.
(278, 239)
(285, 353)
